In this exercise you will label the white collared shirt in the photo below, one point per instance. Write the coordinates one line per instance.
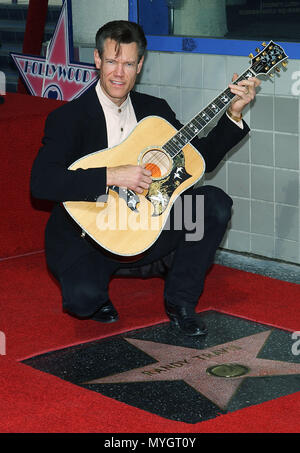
(120, 121)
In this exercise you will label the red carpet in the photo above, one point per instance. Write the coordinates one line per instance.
(32, 320)
(23, 220)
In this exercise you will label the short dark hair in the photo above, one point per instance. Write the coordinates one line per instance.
(123, 32)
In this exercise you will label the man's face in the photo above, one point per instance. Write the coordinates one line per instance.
(118, 69)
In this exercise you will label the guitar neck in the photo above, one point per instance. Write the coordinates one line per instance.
(202, 119)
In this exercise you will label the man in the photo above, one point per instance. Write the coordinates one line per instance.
(103, 117)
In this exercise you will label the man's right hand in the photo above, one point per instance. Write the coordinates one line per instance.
(134, 177)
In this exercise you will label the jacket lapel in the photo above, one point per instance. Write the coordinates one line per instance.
(138, 106)
(95, 116)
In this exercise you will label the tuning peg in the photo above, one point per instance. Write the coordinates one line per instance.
(277, 69)
(263, 44)
(251, 55)
(271, 74)
(257, 49)
(284, 64)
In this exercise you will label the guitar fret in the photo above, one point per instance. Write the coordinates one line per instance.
(209, 111)
(200, 124)
(177, 142)
(174, 147)
(181, 140)
(193, 129)
(200, 120)
(169, 147)
(205, 117)
(223, 100)
(188, 132)
(214, 107)
(219, 103)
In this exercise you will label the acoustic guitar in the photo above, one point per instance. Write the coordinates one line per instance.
(125, 223)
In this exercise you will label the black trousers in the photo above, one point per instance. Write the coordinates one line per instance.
(198, 221)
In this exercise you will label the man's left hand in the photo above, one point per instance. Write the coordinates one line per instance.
(245, 92)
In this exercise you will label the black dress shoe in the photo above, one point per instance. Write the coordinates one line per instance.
(186, 320)
(106, 313)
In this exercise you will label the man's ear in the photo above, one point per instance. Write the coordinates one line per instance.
(97, 59)
(140, 65)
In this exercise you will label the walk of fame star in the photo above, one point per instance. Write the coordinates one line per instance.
(238, 364)
(56, 76)
(191, 365)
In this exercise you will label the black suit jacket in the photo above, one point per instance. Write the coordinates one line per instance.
(78, 128)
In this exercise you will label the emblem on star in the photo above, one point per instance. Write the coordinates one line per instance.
(56, 76)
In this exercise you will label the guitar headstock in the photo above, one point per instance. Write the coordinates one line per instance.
(268, 59)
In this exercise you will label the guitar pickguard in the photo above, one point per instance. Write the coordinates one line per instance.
(161, 190)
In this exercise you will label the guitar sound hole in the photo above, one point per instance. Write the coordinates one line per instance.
(158, 162)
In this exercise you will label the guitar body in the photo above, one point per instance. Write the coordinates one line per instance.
(123, 222)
